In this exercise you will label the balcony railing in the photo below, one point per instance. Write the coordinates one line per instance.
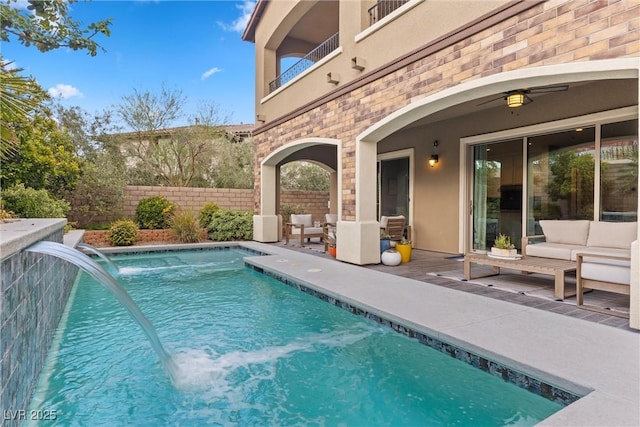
(307, 61)
(383, 8)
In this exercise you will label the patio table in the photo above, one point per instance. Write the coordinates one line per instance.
(554, 267)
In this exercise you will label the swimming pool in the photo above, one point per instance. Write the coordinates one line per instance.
(252, 350)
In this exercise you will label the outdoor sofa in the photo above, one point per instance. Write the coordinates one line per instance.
(601, 250)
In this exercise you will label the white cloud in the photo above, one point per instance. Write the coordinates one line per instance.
(239, 24)
(210, 73)
(64, 91)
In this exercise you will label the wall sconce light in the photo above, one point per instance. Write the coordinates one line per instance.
(261, 118)
(515, 99)
(434, 157)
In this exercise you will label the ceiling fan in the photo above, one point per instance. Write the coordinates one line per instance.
(519, 97)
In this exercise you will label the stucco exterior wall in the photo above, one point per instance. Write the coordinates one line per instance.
(374, 45)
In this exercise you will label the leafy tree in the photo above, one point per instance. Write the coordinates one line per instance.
(233, 166)
(304, 176)
(47, 25)
(100, 191)
(166, 155)
(91, 134)
(20, 97)
(45, 158)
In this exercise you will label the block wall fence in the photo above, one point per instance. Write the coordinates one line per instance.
(313, 202)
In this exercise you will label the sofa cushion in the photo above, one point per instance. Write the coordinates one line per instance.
(606, 273)
(612, 234)
(552, 250)
(568, 232)
(302, 219)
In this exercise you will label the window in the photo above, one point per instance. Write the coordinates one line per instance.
(619, 172)
(560, 176)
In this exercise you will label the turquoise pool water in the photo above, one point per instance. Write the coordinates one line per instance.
(253, 351)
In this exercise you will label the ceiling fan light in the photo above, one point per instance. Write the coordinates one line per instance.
(515, 100)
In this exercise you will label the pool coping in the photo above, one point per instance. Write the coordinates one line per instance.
(596, 361)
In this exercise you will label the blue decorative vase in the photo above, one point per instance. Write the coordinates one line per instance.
(385, 244)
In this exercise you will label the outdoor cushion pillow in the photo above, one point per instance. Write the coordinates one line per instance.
(568, 232)
(551, 250)
(302, 219)
(612, 234)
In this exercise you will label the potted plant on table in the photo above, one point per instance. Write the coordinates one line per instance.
(404, 247)
(502, 246)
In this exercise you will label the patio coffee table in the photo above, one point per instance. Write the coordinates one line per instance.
(553, 267)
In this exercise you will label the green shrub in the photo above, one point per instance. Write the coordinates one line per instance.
(185, 224)
(30, 203)
(231, 225)
(123, 232)
(206, 214)
(154, 212)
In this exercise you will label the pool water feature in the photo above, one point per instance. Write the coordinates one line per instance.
(252, 350)
(108, 282)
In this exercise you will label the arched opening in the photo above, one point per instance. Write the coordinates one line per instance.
(322, 151)
(441, 194)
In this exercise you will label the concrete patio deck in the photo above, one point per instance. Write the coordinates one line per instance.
(425, 262)
(589, 356)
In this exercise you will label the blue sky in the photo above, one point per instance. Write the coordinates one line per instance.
(192, 46)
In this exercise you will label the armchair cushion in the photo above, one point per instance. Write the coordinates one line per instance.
(331, 218)
(302, 219)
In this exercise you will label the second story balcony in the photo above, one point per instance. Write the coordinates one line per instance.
(383, 8)
(306, 62)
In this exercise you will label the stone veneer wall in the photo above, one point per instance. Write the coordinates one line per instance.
(554, 32)
(33, 294)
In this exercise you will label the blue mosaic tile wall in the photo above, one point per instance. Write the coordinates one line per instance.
(33, 294)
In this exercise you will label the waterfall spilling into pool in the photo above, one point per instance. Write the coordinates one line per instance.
(103, 277)
(99, 254)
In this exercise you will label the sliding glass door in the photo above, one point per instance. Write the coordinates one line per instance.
(585, 172)
(497, 193)
(393, 187)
